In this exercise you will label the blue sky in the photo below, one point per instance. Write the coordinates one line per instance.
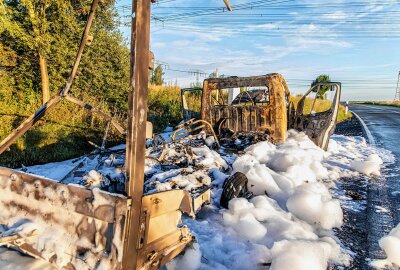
(356, 42)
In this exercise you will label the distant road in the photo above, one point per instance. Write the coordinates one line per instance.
(384, 124)
(384, 192)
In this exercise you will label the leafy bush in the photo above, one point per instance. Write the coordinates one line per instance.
(165, 108)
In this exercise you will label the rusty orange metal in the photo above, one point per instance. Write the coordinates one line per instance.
(269, 118)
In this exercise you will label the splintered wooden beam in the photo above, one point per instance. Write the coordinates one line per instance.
(228, 5)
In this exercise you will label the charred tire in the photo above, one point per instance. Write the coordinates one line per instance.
(234, 187)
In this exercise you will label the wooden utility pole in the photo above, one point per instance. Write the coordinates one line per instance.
(136, 133)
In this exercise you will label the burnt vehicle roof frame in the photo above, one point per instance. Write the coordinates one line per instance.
(317, 126)
(269, 118)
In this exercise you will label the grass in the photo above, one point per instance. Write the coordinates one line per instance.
(66, 130)
(62, 134)
(385, 103)
(164, 106)
(322, 106)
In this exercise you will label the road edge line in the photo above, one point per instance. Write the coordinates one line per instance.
(366, 130)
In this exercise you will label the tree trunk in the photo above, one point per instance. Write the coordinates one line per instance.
(45, 78)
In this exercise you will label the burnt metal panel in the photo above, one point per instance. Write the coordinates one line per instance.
(242, 118)
(318, 126)
(80, 216)
(269, 117)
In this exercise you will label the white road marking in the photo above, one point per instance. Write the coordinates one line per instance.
(367, 132)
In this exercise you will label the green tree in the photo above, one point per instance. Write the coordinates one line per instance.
(212, 75)
(196, 85)
(45, 37)
(323, 89)
(157, 76)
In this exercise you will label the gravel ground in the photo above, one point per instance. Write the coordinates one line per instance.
(366, 208)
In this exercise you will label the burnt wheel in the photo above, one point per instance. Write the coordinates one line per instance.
(234, 187)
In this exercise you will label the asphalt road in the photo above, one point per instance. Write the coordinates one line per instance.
(382, 195)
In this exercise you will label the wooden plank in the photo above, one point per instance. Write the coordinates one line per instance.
(136, 133)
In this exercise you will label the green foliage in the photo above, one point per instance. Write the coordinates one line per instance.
(384, 103)
(321, 106)
(196, 85)
(323, 89)
(64, 133)
(157, 76)
(54, 28)
(165, 108)
(212, 75)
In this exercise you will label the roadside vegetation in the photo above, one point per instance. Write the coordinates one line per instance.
(38, 44)
(321, 106)
(69, 131)
(37, 49)
(385, 103)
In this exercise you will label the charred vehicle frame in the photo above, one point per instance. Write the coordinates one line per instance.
(267, 112)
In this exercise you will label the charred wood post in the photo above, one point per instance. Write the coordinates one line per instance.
(136, 133)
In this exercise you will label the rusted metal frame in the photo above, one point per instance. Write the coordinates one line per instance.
(234, 82)
(136, 133)
(185, 106)
(279, 96)
(335, 111)
(242, 118)
(82, 44)
(97, 111)
(300, 105)
(186, 129)
(28, 123)
(315, 99)
(230, 82)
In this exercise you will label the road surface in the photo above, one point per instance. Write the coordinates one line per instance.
(382, 195)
